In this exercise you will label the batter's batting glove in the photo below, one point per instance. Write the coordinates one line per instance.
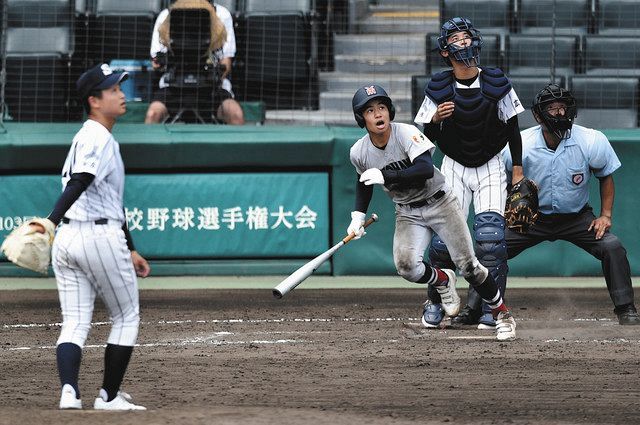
(372, 176)
(357, 223)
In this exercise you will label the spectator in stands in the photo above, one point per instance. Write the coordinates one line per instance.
(561, 157)
(167, 100)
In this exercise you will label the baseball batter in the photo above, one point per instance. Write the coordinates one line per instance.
(471, 113)
(398, 156)
(93, 253)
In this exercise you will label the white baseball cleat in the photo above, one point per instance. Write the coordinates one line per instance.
(505, 327)
(68, 398)
(449, 295)
(123, 401)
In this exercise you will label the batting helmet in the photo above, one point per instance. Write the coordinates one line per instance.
(365, 94)
(559, 125)
(463, 54)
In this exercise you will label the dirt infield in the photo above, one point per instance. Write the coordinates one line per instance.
(339, 357)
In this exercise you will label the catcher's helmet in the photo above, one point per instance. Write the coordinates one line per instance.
(559, 125)
(365, 94)
(462, 54)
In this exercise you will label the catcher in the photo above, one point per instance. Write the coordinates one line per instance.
(561, 157)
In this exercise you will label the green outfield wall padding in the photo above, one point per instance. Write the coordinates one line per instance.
(41, 149)
(158, 147)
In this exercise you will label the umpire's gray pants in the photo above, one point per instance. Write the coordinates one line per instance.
(414, 230)
(573, 228)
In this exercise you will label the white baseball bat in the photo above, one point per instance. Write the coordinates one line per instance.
(297, 277)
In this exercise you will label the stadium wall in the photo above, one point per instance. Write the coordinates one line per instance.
(301, 175)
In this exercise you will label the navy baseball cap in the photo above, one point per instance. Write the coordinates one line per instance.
(99, 77)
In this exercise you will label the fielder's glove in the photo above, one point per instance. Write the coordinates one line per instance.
(521, 210)
(372, 176)
(357, 224)
(28, 248)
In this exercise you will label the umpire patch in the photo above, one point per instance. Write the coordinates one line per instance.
(577, 178)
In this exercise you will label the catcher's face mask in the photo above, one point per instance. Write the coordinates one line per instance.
(461, 40)
(556, 108)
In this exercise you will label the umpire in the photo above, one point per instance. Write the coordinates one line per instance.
(560, 157)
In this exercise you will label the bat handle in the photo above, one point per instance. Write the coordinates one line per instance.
(373, 218)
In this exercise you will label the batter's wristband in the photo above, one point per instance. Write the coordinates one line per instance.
(391, 176)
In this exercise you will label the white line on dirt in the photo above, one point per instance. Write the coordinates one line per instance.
(197, 341)
(472, 337)
(227, 321)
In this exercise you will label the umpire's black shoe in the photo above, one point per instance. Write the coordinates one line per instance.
(467, 316)
(628, 315)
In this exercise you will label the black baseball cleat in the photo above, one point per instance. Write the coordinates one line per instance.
(467, 316)
(627, 315)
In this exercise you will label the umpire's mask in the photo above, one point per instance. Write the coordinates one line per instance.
(558, 125)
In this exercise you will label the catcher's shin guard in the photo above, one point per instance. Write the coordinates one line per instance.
(438, 257)
(491, 247)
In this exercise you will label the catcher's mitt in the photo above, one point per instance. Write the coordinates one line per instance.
(521, 210)
(28, 248)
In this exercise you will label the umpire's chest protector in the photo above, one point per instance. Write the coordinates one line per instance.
(474, 134)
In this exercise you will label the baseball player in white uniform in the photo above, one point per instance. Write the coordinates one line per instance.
(93, 253)
(471, 113)
(398, 156)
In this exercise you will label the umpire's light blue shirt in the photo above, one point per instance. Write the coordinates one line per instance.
(563, 175)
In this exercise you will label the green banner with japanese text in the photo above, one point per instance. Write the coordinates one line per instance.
(181, 216)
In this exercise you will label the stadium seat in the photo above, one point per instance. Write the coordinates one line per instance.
(526, 87)
(612, 56)
(531, 54)
(121, 29)
(276, 60)
(606, 102)
(491, 16)
(304, 6)
(492, 53)
(572, 17)
(39, 46)
(81, 7)
(619, 17)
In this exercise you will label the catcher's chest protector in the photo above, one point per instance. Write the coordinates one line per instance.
(475, 134)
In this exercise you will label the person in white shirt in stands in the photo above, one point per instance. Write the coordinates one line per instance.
(167, 101)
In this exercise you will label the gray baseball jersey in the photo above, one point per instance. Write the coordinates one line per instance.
(415, 225)
(405, 144)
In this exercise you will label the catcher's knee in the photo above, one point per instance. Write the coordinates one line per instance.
(439, 254)
(491, 247)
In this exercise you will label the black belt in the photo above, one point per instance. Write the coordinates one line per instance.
(99, 221)
(419, 204)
